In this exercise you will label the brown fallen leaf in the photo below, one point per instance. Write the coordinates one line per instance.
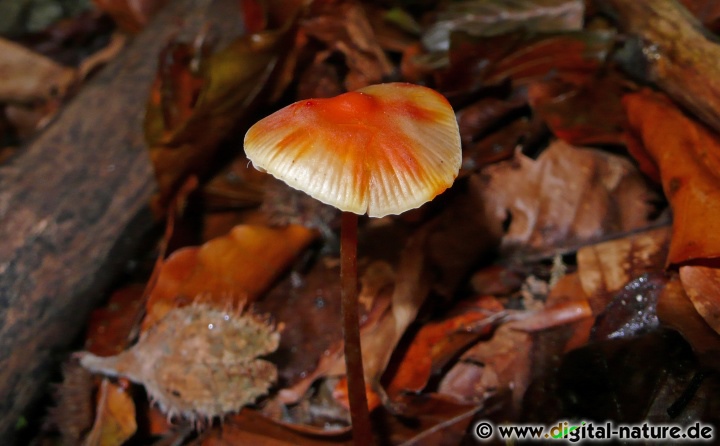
(688, 157)
(29, 77)
(605, 268)
(702, 286)
(343, 26)
(436, 342)
(115, 419)
(233, 268)
(676, 310)
(586, 114)
(198, 98)
(490, 17)
(497, 366)
(567, 196)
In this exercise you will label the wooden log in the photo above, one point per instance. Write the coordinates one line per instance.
(73, 205)
(672, 50)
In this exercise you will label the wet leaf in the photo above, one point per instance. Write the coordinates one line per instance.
(233, 268)
(633, 310)
(606, 268)
(115, 418)
(688, 157)
(568, 195)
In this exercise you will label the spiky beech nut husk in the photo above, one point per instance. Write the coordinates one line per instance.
(198, 362)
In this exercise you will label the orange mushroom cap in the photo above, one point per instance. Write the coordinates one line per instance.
(383, 149)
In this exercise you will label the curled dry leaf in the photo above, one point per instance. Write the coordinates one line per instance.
(28, 76)
(688, 157)
(198, 362)
(567, 196)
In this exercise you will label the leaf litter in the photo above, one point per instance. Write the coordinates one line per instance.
(573, 257)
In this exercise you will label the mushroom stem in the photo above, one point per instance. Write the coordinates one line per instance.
(359, 414)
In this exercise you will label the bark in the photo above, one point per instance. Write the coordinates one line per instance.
(670, 48)
(73, 207)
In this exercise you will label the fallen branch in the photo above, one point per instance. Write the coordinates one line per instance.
(73, 207)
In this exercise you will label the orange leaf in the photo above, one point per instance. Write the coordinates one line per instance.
(115, 420)
(432, 341)
(688, 157)
(702, 285)
(234, 268)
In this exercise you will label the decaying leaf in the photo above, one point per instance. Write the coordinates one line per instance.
(688, 157)
(72, 414)
(567, 196)
(198, 362)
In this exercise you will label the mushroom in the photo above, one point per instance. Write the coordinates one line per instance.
(380, 150)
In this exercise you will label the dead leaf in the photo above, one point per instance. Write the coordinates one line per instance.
(586, 114)
(234, 268)
(436, 342)
(29, 77)
(72, 413)
(344, 27)
(567, 196)
(500, 365)
(115, 419)
(250, 427)
(198, 98)
(431, 419)
(702, 286)
(688, 156)
(110, 327)
(605, 268)
(676, 310)
(496, 16)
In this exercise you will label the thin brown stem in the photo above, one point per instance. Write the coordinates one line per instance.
(359, 414)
